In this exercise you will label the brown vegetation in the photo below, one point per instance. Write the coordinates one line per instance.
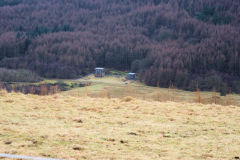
(67, 127)
(178, 41)
(40, 89)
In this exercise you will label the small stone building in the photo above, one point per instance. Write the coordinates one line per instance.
(99, 72)
(131, 76)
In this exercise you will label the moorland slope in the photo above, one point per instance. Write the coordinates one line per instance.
(62, 126)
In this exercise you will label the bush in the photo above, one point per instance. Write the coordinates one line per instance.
(236, 86)
(224, 90)
(21, 75)
(128, 99)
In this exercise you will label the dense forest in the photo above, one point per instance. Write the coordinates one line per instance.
(183, 42)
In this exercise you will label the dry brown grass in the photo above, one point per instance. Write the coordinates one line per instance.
(116, 88)
(71, 127)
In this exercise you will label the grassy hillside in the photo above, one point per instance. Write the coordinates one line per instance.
(115, 86)
(62, 126)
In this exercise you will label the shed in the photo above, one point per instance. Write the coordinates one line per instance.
(99, 72)
(131, 76)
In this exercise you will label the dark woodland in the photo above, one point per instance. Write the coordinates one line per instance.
(179, 42)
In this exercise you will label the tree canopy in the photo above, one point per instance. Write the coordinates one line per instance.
(183, 42)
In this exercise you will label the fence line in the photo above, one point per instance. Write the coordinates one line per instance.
(24, 157)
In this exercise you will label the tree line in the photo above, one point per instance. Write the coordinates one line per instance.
(180, 42)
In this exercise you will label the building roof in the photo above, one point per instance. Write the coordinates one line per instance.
(99, 68)
(131, 73)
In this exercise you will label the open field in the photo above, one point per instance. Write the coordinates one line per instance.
(71, 127)
(115, 85)
(118, 87)
(103, 121)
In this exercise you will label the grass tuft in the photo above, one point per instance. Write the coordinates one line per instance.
(128, 99)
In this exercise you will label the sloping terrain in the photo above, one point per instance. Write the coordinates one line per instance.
(116, 86)
(183, 42)
(66, 127)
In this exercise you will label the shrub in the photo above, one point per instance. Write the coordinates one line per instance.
(128, 99)
(9, 75)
